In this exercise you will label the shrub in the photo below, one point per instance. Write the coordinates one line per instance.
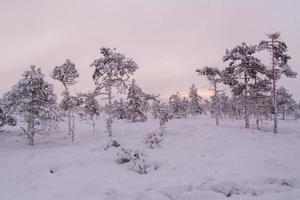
(152, 140)
(137, 161)
(112, 143)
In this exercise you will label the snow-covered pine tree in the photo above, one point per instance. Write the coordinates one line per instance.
(155, 108)
(279, 66)
(135, 107)
(243, 68)
(112, 70)
(195, 101)
(33, 99)
(257, 94)
(224, 104)
(285, 102)
(236, 107)
(67, 74)
(119, 109)
(185, 106)
(91, 110)
(176, 106)
(213, 75)
(164, 115)
(206, 106)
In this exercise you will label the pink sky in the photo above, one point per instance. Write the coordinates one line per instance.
(169, 39)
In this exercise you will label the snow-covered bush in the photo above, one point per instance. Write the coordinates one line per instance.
(124, 156)
(141, 164)
(137, 161)
(112, 143)
(152, 140)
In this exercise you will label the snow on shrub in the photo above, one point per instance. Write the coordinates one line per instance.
(124, 156)
(152, 140)
(112, 143)
(141, 164)
(137, 161)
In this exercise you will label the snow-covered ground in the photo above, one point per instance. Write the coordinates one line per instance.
(197, 161)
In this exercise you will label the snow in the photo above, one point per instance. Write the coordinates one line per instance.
(197, 161)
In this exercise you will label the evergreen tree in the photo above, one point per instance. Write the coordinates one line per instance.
(285, 103)
(185, 106)
(164, 115)
(33, 99)
(195, 101)
(243, 68)
(213, 75)
(120, 109)
(112, 70)
(177, 106)
(136, 103)
(155, 108)
(67, 75)
(91, 110)
(279, 66)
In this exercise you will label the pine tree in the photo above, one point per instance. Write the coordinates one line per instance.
(67, 75)
(279, 66)
(155, 108)
(195, 101)
(243, 68)
(224, 104)
(120, 109)
(164, 115)
(136, 103)
(91, 110)
(112, 70)
(185, 106)
(213, 75)
(33, 99)
(285, 102)
(257, 94)
(176, 106)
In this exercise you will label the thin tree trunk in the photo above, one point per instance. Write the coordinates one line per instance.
(283, 113)
(94, 124)
(69, 122)
(257, 119)
(73, 127)
(109, 120)
(274, 91)
(247, 124)
(30, 133)
(216, 103)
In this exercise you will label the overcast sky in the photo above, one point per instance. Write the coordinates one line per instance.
(168, 39)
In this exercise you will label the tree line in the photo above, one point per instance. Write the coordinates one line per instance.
(33, 104)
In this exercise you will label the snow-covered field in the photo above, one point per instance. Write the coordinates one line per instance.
(197, 161)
